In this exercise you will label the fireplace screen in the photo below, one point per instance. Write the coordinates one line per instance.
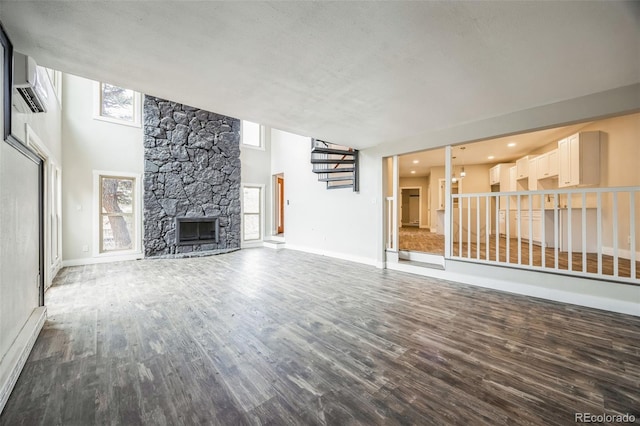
(197, 230)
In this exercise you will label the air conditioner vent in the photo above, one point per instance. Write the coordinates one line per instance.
(32, 83)
(31, 99)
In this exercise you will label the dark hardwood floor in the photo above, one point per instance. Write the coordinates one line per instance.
(281, 337)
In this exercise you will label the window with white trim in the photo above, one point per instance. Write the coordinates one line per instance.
(117, 224)
(117, 104)
(251, 134)
(251, 213)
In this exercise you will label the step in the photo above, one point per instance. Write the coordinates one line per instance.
(335, 178)
(273, 244)
(338, 170)
(331, 161)
(321, 150)
(350, 185)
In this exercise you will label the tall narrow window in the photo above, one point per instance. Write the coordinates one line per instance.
(117, 213)
(251, 213)
(117, 104)
(251, 134)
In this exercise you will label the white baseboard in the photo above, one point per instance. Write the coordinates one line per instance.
(14, 360)
(105, 259)
(622, 253)
(337, 255)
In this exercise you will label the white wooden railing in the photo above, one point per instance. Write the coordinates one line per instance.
(583, 232)
(389, 226)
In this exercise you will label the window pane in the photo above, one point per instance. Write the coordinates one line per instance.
(251, 200)
(250, 133)
(117, 102)
(117, 195)
(117, 232)
(251, 227)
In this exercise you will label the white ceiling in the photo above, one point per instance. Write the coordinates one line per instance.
(355, 73)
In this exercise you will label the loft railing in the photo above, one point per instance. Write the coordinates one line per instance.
(390, 235)
(583, 232)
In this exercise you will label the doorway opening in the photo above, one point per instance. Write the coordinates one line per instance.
(278, 203)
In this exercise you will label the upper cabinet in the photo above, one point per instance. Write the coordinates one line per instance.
(533, 174)
(579, 159)
(513, 184)
(522, 167)
(499, 174)
(547, 165)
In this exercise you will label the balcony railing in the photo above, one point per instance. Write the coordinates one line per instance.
(583, 232)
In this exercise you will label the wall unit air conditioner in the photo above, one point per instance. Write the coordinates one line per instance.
(29, 83)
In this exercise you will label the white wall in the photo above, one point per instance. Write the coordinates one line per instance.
(256, 169)
(19, 240)
(89, 145)
(336, 222)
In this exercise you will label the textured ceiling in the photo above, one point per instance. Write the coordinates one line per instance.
(356, 73)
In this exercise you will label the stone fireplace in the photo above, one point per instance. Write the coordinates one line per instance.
(191, 180)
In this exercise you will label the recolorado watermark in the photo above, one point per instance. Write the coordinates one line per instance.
(604, 418)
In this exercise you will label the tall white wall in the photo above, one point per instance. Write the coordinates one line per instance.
(332, 222)
(89, 145)
(19, 240)
(256, 169)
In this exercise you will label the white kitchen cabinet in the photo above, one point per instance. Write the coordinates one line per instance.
(579, 160)
(536, 228)
(547, 165)
(534, 219)
(513, 182)
(522, 167)
(499, 174)
(533, 174)
(502, 223)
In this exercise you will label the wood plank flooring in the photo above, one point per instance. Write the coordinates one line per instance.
(422, 240)
(281, 337)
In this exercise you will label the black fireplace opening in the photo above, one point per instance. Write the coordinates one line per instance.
(197, 230)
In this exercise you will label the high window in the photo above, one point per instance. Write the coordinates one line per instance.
(117, 104)
(251, 134)
(251, 212)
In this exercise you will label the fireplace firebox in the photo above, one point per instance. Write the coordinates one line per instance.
(197, 230)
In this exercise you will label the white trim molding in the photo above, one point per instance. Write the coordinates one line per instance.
(103, 259)
(136, 251)
(257, 242)
(97, 108)
(16, 357)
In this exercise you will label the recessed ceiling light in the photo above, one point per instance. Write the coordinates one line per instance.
(416, 161)
(413, 172)
(511, 144)
(491, 157)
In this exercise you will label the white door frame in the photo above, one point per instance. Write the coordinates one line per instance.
(419, 188)
(50, 194)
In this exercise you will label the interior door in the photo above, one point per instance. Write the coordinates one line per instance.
(280, 186)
